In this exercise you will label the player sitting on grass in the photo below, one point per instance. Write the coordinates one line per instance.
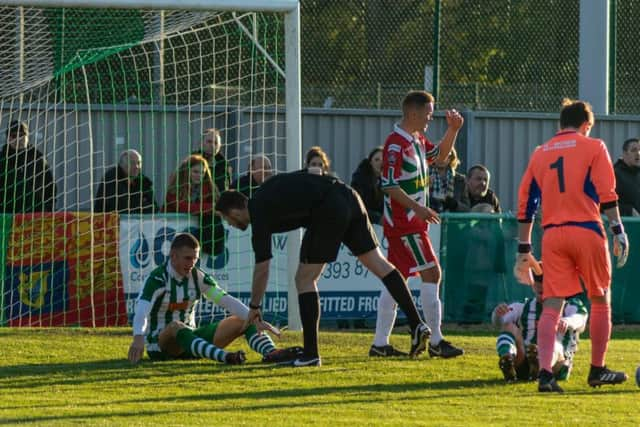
(517, 342)
(164, 315)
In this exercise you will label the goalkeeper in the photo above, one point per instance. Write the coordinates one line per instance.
(165, 308)
(517, 343)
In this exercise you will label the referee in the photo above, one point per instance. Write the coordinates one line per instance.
(332, 213)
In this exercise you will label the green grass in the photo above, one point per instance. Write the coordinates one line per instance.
(80, 376)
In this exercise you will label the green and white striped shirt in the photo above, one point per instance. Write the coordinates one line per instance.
(527, 314)
(168, 297)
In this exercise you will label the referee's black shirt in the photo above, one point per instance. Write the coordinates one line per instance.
(282, 203)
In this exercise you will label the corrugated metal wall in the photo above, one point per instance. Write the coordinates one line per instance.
(501, 141)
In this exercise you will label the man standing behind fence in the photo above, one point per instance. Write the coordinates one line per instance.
(406, 215)
(572, 177)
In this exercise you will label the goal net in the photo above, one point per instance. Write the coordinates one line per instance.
(109, 125)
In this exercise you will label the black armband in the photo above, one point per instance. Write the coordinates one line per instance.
(254, 306)
(608, 205)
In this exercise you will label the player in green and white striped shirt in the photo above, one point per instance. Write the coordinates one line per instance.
(165, 310)
(517, 343)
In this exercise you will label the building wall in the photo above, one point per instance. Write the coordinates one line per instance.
(80, 150)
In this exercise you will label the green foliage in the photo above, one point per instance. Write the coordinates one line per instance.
(66, 376)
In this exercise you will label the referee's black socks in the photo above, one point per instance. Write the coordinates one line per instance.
(309, 304)
(399, 290)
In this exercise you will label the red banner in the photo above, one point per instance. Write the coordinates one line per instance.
(62, 269)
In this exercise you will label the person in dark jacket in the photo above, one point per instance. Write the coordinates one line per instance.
(26, 182)
(210, 149)
(259, 172)
(627, 170)
(125, 189)
(366, 181)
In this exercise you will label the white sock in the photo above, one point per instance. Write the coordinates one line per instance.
(432, 310)
(385, 319)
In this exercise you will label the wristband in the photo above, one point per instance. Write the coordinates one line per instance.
(524, 247)
(255, 306)
(616, 227)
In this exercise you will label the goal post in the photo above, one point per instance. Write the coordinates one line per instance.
(94, 80)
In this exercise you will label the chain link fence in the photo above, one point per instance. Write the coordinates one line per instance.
(499, 55)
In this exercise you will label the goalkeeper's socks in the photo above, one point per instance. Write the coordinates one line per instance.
(259, 342)
(385, 318)
(600, 331)
(432, 310)
(309, 303)
(399, 290)
(547, 327)
(197, 347)
(506, 344)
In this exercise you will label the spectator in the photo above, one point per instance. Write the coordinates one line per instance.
(218, 164)
(366, 181)
(259, 172)
(191, 190)
(627, 171)
(26, 182)
(447, 187)
(478, 190)
(125, 189)
(316, 160)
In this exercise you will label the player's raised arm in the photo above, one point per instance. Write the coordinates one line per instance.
(454, 122)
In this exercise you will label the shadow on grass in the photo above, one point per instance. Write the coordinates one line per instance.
(71, 417)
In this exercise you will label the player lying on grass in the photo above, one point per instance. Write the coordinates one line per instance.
(165, 309)
(517, 343)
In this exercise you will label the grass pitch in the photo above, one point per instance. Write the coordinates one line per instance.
(81, 377)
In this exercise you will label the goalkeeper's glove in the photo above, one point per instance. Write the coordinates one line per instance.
(525, 263)
(620, 243)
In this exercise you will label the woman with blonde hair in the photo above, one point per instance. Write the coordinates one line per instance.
(191, 190)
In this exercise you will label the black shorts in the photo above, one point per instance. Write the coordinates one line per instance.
(340, 218)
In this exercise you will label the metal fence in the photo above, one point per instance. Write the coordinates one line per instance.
(490, 55)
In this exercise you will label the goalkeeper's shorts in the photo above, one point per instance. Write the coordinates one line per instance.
(411, 253)
(570, 253)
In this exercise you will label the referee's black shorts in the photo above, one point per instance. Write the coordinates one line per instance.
(340, 218)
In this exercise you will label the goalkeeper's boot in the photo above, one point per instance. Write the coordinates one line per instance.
(603, 376)
(547, 383)
(283, 356)
(235, 358)
(419, 337)
(532, 360)
(508, 368)
(444, 349)
(385, 351)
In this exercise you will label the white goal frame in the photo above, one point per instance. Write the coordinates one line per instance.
(291, 9)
